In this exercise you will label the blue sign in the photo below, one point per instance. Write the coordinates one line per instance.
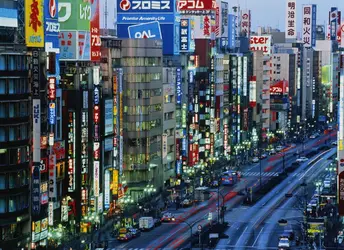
(52, 113)
(96, 95)
(36, 189)
(51, 24)
(333, 23)
(176, 40)
(184, 35)
(231, 31)
(131, 12)
(178, 167)
(179, 85)
(145, 30)
(314, 24)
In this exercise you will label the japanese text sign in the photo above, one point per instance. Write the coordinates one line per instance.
(184, 35)
(34, 27)
(290, 29)
(194, 7)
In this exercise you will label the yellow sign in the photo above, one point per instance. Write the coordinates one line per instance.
(115, 182)
(34, 23)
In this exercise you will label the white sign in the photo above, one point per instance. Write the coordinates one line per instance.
(245, 77)
(253, 91)
(36, 127)
(64, 213)
(100, 203)
(51, 213)
(96, 75)
(107, 189)
(96, 170)
(307, 26)
(218, 19)
(290, 24)
(245, 26)
(262, 43)
(202, 27)
(120, 155)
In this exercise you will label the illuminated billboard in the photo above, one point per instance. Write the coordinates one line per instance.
(262, 43)
(326, 74)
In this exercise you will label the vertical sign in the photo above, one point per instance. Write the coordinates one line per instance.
(36, 126)
(84, 151)
(164, 145)
(36, 187)
(224, 26)
(115, 120)
(333, 15)
(52, 176)
(96, 169)
(307, 26)
(314, 24)
(339, 28)
(34, 23)
(340, 180)
(218, 19)
(35, 74)
(115, 182)
(290, 20)
(231, 31)
(51, 24)
(253, 91)
(179, 85)
(244, 79)
(107, 189)
(51, 213)
(184, 35)
(96, 133)
(71, 151)
(245, 26)
(95, 32)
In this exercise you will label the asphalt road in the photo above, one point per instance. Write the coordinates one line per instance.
(172, 236)
(256, 226)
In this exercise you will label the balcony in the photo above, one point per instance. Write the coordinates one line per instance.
(266, 77)
(265, 97)
(266, 106)
(265, 115)
(170, 140)
(266, 68)
(266, 87)
(279, 106)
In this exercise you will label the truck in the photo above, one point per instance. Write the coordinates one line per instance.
(146, 223)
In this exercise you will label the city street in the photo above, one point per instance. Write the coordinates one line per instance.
(174, 235)
(256, 226)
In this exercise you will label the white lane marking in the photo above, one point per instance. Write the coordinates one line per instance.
(310, 168)
(261, 230)
(242, 234)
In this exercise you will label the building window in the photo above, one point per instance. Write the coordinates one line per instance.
(3, 156)
(2, 181)
(2, 62)
(2, 205)
(11, 63)
(12, 204)
(11, 134)
(2, 86)
(2, 134)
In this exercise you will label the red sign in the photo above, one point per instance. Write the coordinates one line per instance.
(195, 6)
(59, 150)
(278, 88)
(96, 114)
(52, 88)
(245, 125)
(95, 33)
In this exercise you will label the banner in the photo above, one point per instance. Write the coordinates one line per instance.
(95, 32)
(52, 176)
(290, 24)
(164, 145)
(34, 23)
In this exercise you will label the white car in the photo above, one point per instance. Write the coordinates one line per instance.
(279, 148)
(284, 243)
(302, 159)
(334, 143)
(255, 159)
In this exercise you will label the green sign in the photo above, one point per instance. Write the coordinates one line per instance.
(74, 15)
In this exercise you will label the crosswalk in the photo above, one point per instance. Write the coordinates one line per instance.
(267, 174)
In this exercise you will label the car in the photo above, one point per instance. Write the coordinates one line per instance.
(167, 217)
(334, 143)
(255, 159)
(124, 237)
(186, 203)
(263, 156)
(214, 183)
(279, 148)
(302, 159)
(272, 152)
(284, 243)
(134, 232)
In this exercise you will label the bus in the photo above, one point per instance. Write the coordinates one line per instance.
(229, 178)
